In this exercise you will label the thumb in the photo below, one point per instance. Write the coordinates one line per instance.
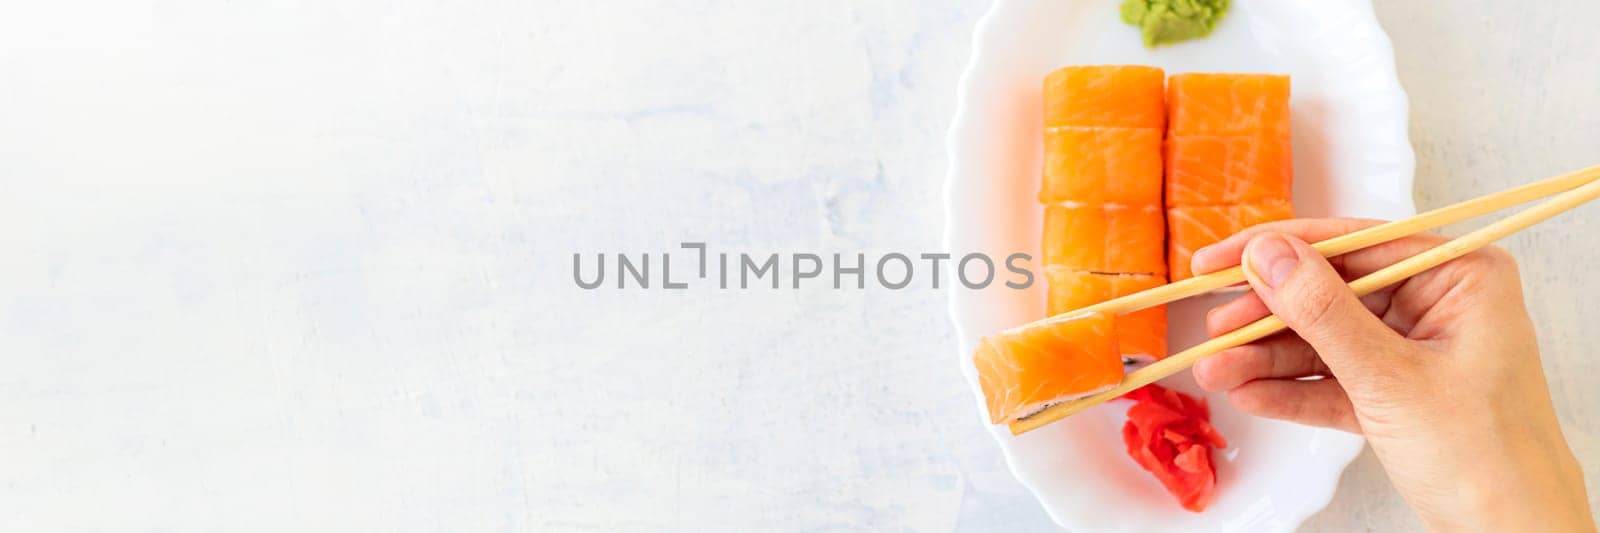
(1304, 291)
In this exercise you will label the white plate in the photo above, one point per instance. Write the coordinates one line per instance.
(1351, 158)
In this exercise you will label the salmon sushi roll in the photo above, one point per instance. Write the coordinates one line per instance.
(1105, 239)
(1026, 369)
(1101, 166)
(1191, 228)
(1228, 104)
(1107, 96)
(1228, 169)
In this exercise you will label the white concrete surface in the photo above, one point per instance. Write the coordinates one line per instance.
(306, 265)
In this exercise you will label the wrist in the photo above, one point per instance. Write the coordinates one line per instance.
(1538, 489)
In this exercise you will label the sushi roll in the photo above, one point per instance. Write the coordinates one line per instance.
(1026, 369)
(1109, 239)
(1105, 96)
(1101, 166)
(1191, 227)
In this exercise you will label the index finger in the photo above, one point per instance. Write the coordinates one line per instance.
(1226, 253)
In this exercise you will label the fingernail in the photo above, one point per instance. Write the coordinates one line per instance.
(1194, 258)
(1272, 259)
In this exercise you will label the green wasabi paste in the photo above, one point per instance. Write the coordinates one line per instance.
(1170, 21)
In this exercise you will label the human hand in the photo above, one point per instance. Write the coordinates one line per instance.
(1440, 372)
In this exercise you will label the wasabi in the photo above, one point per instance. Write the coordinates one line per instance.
(1170, 21)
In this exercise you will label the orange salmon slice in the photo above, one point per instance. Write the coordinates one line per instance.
(1141, 335)
(1193, 227)
(1026, 369)
(1205, 170)
(1111, 239)
(1228, 104)
(1125, 96)
(1102, 166)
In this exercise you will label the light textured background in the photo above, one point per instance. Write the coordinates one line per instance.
(305, 265)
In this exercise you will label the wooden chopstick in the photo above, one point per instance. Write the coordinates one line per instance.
(1584, 191)
(1353, 241)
